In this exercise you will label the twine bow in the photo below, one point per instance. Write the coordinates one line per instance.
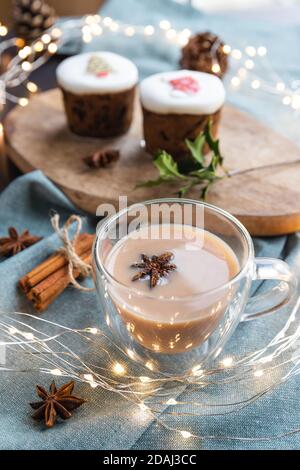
(74, 261)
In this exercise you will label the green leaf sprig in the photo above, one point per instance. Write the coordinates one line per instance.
(202, 175)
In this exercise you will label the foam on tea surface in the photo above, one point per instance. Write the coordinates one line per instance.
(179, 311)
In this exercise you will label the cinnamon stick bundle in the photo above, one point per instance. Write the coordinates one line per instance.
(47, 281)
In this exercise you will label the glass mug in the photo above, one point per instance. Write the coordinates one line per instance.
(205, 320)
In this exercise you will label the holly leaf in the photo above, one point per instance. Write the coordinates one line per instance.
(150, 183)
(167, 167)
(204, 191)
(204, 175)
(196, 148)
(185, 189)
(214, 144)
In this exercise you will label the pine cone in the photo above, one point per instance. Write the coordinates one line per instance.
(32, 18)
(202, 52)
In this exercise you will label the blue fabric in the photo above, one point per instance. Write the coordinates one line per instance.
(107, 422)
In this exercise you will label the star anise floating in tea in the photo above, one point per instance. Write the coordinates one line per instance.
(155, 267)
(55, 403)
(14, 243)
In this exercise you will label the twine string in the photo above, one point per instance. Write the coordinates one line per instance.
(69, 249)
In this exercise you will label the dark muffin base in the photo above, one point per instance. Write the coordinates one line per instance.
(169, 131)
(106, 115)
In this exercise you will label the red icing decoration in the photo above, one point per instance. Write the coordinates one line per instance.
(185, 84)
(102, 74)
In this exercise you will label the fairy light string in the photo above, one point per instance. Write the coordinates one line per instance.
(243, 61)
(155, 396)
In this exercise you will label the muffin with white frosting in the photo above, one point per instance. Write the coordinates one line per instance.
(98, 91)
(177, 106)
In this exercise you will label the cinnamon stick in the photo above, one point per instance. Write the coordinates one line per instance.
(52, 284)
(43, 299)
(48, 280)
(54, 263)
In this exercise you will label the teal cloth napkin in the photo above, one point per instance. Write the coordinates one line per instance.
(107, 422)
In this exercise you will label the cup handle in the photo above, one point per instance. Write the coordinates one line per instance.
(277, 297)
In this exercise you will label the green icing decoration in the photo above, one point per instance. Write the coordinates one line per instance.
(98, 66)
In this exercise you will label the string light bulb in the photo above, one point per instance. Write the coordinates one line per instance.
(86, 30)
(56, 33)
(89, 377)
(46, 38)
(129, 31)
(97, 30)
(90, 19)
(87, 38)
(227, 362)
(143, 407)
(114, 27)
(255, 84)
(23, 102)
(12, 330)
(170, 33)
(182, 40)
(26, 66)
(242, 73)
(171, 401)
(236, 54)
(165, 24)
(56, 372)
(250, 51)
(32, 87)
(149, 30)
(38, 46)
(197, 371)
(93, 331)
(130, 353)
(258, 373)
(261, 51)
(296, 102)
(20, 43)
(186, 434)
(216, 68)
(249, 64)
(149, 365)
(3, 30)
(25, 52)
(97, 18)
(286, 100)
(280, 86)
(52, 48)
(226, 49)
(118, 369)
(107, 21)
(235, 81)
(145, 380)
(186, 32)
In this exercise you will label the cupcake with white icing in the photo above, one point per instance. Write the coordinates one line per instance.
(177, 106)
(98, 91)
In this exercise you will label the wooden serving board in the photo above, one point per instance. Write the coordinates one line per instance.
(266, 201)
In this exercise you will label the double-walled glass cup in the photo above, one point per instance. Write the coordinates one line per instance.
(195, 328)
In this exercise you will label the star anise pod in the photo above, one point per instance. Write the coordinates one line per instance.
(101, 158)
(10, 246)
(55, 403)
(154, 267)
